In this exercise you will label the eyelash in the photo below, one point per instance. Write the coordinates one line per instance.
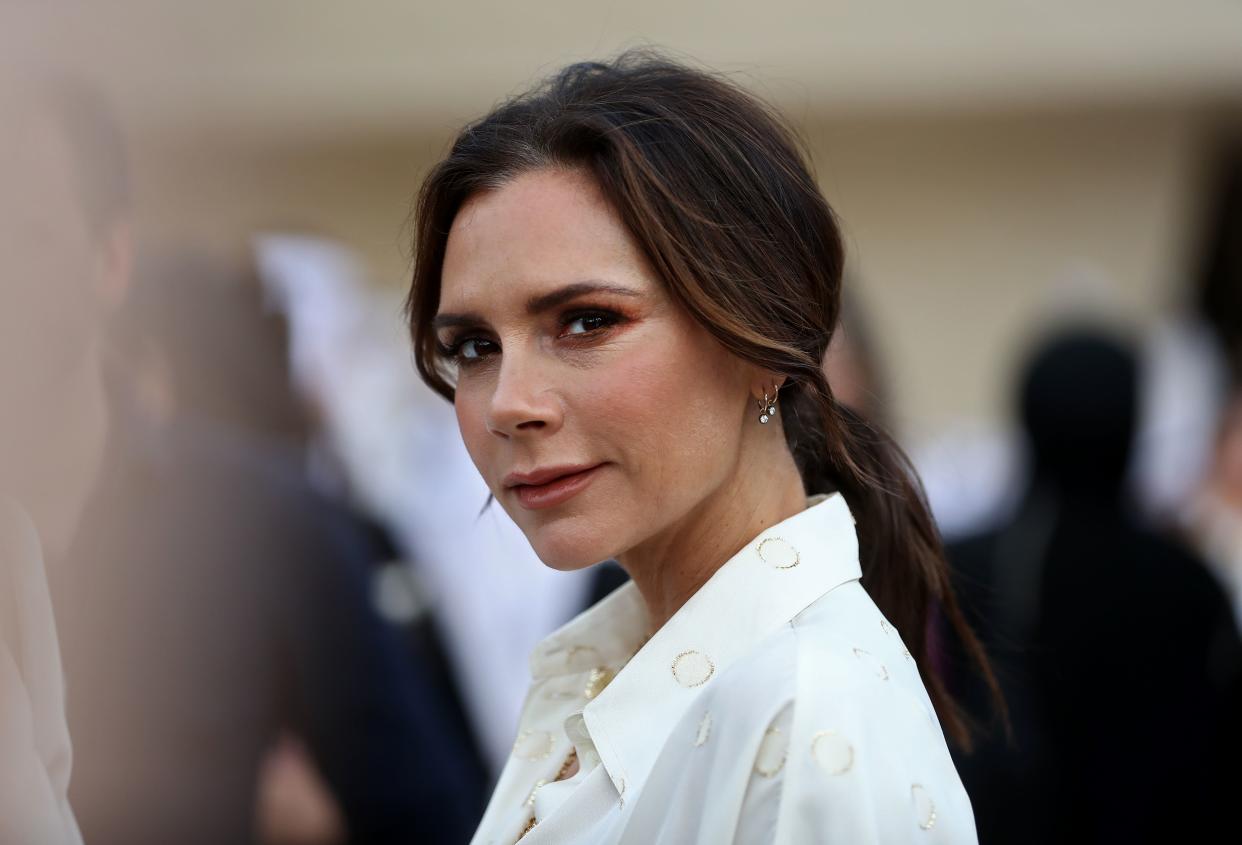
(452, 350)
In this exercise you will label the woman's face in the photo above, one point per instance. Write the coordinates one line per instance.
(570, 355)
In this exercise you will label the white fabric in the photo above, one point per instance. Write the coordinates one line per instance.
(35, 754)
(777, 705)
(1183, 389)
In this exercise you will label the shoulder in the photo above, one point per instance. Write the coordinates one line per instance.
(822, 732)
(838, 653)
(845, 643)
(865, 757)
(838, 720)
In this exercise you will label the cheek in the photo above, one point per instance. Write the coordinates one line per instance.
(674, 423)
(470, 420)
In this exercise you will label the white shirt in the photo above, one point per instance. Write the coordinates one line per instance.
(777, 705)
(35, 752)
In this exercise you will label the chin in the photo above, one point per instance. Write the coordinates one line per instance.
(566, 547)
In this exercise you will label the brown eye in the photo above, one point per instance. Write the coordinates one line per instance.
(465, 351)
(591, 321)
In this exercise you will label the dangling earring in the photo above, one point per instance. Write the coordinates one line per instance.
(767, 408)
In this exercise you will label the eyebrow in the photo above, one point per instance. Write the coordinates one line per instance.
(540, 303)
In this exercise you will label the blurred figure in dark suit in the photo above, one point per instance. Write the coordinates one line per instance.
(1115, 647)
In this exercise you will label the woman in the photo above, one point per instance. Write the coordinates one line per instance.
(626, 281)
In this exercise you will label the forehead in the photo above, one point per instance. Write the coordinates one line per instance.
(536, 231)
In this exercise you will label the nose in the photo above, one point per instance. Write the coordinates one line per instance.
(523, 400)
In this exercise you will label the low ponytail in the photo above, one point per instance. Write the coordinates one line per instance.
(900, 549)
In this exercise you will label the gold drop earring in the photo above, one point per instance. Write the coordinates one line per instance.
(767, 408)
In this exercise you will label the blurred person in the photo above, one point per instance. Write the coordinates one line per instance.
(1212, 520)
(217, 604)
(294, 805)
(65, 262)
(626, 280)
(1184, 386)
(1116, 649)
(1193, 356)
(853, 363)
(388, 440)
(1211, 515)
(1218, 291)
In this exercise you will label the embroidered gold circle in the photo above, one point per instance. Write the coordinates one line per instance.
(833, 752)
(778, 553)
(533, 745)
(771, 754)
(924, 807)
(692, 668)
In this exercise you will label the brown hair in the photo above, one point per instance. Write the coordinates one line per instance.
(715, 189)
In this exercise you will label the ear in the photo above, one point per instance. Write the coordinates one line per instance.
(766, 381)
(114, 265)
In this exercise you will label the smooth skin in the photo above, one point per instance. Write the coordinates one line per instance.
(627, 379)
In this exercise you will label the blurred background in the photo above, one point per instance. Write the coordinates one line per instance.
(259, 529)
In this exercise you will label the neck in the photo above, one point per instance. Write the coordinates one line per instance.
(668, 568)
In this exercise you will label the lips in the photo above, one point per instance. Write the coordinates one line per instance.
(544, 475)
(558, 488)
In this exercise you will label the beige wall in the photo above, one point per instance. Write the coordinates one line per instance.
(965, 232)
(960, 227)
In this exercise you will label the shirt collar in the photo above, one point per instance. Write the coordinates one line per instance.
(770, 580)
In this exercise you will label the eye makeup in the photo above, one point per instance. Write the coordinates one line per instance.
(596, 322)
